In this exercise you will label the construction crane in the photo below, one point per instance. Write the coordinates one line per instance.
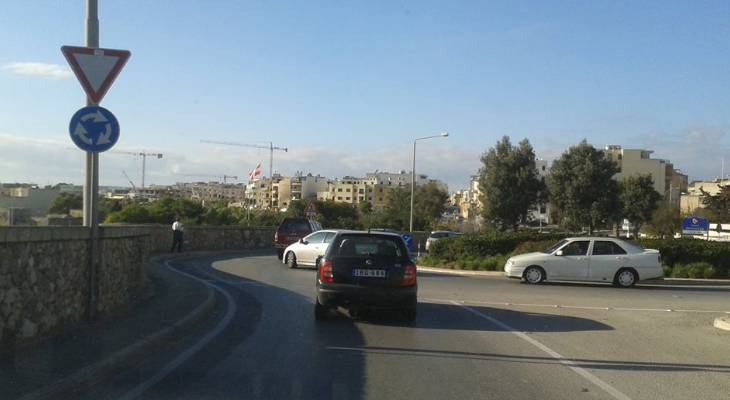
(224, 177)
(134, 188)
(144, 159)
(270, 147)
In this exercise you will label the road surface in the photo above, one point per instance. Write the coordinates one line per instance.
(474, 338)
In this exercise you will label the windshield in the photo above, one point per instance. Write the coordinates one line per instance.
(555, 247)
(364, 199)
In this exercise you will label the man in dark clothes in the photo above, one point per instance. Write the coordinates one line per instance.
(177, 235)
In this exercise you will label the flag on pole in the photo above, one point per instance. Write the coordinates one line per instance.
(255, 173)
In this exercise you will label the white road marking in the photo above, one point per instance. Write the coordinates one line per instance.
(509, 304)
(187, 354)
(615, 393)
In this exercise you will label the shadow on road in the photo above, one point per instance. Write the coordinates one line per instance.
(272, 350)
(580, 362)
(449, 316)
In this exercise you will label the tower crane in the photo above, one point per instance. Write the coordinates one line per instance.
(144, 159)
(224, 177)
(271, 149)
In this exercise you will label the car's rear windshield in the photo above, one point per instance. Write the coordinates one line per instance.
(295, 225)
(368, 245)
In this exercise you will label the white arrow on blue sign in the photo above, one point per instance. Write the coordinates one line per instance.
(94, 129)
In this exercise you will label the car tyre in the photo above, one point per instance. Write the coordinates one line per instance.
(291, 259)
(625, 278)
(534, 275)
(320, 311)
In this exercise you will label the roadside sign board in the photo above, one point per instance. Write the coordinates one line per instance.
(94, 129)
(96, 69)
(695, 226)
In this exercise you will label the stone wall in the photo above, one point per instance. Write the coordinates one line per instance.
(44, 271)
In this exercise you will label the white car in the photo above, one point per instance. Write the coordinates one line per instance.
(308, 250)
(597, 259)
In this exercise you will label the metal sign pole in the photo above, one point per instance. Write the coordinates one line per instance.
(91, 200)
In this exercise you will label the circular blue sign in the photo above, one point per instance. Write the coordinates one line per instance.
(94, 129)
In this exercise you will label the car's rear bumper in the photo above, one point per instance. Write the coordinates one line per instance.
(333, 295)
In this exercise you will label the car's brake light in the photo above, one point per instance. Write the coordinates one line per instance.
(409, 275)
(325, 272)
(276, 236)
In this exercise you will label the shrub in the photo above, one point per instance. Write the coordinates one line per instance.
(689, 251)
(486, 245)
(532, 246)
(679, 271)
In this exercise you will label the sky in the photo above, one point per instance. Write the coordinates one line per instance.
(347, 85)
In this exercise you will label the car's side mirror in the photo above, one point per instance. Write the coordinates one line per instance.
(302, 241)
(559, 253)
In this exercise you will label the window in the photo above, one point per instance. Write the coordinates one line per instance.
(577, 248)
(604, 247)
(339, 197)
(361, 191)
(339, 189)
(316, 237)
(347, 198)
(328, 237)
(366, 245)
(348, 190)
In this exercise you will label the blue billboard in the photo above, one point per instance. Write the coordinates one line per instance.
(695, 225)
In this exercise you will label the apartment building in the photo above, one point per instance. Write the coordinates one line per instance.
(668, 181)
(691, 199)
(354, 190)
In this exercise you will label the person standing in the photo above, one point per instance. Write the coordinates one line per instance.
(177, 235)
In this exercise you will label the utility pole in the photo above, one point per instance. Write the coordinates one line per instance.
(91, 189)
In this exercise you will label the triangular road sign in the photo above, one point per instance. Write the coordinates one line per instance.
(96, 69)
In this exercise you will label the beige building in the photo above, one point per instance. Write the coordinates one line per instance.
(692, 198)
(667, 180)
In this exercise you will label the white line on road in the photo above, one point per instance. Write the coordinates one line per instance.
(568, 363)
(508, 304)
(187, 354)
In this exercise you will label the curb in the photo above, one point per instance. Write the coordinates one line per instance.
(461, 272)
(653, 282)
(126, 356)
(722, 323)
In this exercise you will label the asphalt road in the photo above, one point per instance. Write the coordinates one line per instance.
(474, 338)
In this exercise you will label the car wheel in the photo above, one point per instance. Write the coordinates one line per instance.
(280, 253)
(291, 259)
(534, 275)
(320, 311)
(625, 278)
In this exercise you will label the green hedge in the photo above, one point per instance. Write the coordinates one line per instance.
(488, 245)
(689, 251)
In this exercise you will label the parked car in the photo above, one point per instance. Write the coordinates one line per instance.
(437, 235)
(366, 269)
(406, 236)
(291, 230)
(309, 249)
(598, 259)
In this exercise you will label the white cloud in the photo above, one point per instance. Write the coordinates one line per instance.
(43, 70)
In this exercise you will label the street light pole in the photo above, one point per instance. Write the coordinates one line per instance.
(413, 174)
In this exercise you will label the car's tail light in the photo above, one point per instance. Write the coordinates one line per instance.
(409, 275)
(325, 272)
(276, 236)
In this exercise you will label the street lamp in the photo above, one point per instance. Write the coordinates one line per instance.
(413, 172)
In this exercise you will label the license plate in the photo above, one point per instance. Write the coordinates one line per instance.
(369, 273)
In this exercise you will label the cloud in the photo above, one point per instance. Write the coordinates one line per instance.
(43, 70)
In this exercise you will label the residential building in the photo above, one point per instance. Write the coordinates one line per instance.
(19, 204)
(205, 192)
(639, 161)
(691, 199)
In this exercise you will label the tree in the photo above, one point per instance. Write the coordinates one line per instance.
(581, 186)
(665, 222)
(64, 203)
(133, 213)
(509, 184)
(639, 199)
(429, 205)
(718, 205)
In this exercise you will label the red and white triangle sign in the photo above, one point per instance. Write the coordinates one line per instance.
(95, 68)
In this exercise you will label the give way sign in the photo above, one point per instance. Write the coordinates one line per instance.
(95, 68)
